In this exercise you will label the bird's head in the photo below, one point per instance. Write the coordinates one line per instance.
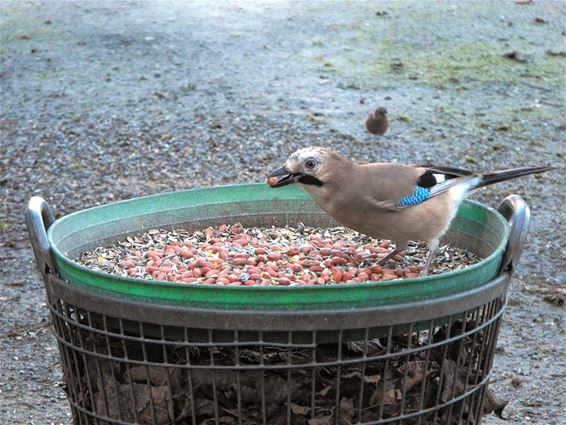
(308, 166)
(380, 111)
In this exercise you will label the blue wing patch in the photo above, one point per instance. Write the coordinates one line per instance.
(421, 194)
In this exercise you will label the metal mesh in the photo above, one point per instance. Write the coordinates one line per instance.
(120, 371)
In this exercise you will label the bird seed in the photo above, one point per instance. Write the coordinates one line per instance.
(258, 256)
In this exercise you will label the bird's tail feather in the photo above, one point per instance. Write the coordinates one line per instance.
(499, 176)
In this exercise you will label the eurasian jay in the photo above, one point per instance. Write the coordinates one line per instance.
(387, 200)
(376, 122)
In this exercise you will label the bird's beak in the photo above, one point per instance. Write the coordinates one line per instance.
(281, 177)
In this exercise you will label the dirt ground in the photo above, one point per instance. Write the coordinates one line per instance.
(109, 100)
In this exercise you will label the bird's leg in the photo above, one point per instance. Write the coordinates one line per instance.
(400, 246)
(432, 246)
(388, 257)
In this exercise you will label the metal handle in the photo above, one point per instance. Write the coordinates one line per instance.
(517, 212)
(39, 217)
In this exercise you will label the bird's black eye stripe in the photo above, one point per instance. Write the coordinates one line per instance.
(311, 180)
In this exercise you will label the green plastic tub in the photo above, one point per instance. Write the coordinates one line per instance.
(476, 227)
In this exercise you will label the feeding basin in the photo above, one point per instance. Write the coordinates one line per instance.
(476, 228)
(415, 350)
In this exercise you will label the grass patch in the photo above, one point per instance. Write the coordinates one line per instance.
(399, 51)
(459, 65)
(19, 24)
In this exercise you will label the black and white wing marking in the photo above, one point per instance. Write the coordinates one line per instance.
(434, 181)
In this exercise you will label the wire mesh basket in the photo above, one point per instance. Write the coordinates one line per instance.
(125, 371)
(135, 362)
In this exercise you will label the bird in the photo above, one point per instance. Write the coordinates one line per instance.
(376, 122)
(399, 202)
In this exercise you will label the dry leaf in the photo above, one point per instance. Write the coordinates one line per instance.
(493, 404)
(300, 410)
(372, 379)
(322, 420)
(415, 374)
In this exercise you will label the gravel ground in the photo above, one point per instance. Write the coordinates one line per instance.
(110, 100)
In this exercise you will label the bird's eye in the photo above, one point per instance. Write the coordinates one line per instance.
(310, 164)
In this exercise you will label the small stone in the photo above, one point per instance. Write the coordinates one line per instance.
(516, 381)
(516, 56)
